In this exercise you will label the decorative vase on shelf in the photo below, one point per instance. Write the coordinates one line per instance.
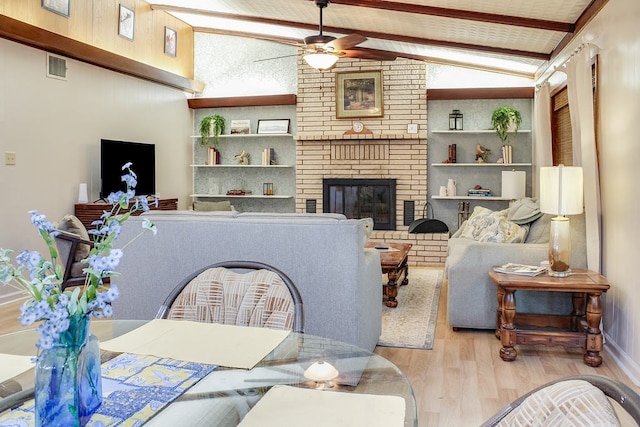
(68, 384)
(451, 187)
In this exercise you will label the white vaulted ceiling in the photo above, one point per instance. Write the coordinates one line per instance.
(513, 36)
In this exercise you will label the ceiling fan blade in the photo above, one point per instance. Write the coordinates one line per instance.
(366, 53)
(275, 57)
(345, 42)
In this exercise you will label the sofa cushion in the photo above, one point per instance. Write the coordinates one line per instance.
(224, 205)
(524, 211)
(539, 230)
(485, 225)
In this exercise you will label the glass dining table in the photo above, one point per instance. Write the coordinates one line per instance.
(225, 396)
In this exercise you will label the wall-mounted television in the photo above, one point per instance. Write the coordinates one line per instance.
(114, 154)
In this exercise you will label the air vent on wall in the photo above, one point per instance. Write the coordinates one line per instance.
(56, 67)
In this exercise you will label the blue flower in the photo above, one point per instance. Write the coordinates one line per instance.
(48, 303)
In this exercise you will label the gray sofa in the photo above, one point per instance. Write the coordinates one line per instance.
(324, 255)
(472, 300)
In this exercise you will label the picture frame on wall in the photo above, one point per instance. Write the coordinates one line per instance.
(272, 126)
(359, 94)
(170, 41)
(61, 7)
(126, 22)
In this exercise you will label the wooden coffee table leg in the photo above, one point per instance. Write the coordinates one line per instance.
(405, 267)
(508, 334)
(391, 288)
(594, 336)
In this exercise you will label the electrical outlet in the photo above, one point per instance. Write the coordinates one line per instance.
(412, 128)
(10, 158)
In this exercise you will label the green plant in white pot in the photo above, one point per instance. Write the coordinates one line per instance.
(211, 127)
(505, 119)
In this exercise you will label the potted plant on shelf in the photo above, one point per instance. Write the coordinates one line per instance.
(211, 127)
(505, 119)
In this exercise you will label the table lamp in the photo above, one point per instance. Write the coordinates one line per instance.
(514, 184)
(560, 195)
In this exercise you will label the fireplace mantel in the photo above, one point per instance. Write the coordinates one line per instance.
(320, 137)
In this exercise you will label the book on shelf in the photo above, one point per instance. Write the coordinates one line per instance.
(520, 269)
(507, 154)
(479, 192)
(268, 157)
(213, 156)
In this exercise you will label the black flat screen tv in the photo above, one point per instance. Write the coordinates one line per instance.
(114, 154)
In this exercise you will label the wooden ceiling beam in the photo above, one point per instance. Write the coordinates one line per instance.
(369, 34)
(466, 15)
(30, 35)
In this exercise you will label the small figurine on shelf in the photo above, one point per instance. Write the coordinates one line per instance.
(242, 157)
(482, 153)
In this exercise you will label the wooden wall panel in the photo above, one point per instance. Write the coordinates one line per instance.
(95, 22)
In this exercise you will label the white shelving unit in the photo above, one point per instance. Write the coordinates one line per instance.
(466, 171)
(211, 182)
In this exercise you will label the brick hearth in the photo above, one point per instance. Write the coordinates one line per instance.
(323, 150)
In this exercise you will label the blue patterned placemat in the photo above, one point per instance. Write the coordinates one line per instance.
(134, 388)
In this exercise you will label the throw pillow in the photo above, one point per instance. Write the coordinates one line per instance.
(212, 206)
(539, 230)
(485, 225)
(524, 211)
(71, 224)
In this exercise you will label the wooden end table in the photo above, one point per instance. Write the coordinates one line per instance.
(394, 261)
(579, 329)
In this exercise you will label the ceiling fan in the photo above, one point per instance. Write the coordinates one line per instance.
(322, 51)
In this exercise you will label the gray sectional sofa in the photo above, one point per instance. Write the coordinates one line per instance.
(472, 299)
(324, 255)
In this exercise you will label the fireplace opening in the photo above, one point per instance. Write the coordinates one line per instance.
(362, 198)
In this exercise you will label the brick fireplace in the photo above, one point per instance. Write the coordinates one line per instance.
(328, 148)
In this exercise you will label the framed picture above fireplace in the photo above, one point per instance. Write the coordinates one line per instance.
(359, 94)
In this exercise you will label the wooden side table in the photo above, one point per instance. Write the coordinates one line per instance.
(581, 328)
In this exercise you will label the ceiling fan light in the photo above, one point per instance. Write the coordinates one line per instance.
(320, 61)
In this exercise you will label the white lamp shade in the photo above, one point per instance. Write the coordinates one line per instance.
(514, 184)
(561, 190)
(321, 61)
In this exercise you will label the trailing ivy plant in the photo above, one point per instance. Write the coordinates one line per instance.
(207, 125)
(502, 119)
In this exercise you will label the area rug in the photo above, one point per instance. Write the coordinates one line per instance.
(412, 324)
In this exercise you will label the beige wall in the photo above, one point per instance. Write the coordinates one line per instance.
(619, 78)
(55, 126)
(95, 22)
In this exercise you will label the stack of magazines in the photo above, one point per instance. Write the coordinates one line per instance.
(521, 269)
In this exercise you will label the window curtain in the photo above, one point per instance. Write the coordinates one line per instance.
(580, 90)
(542, 152)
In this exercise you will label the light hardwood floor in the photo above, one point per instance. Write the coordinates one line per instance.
(462, 381)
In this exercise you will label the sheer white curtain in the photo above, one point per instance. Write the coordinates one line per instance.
(542, 155)
(580, 91)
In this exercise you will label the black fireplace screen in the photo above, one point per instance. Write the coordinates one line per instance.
(362, 198)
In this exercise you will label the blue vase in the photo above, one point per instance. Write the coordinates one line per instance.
(68, 386)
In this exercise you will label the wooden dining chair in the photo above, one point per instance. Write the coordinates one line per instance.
(241, 293)
(73, 243)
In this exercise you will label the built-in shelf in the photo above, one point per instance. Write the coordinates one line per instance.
(476, 131)
(246, 196)
(484, 165)
(492, 198)
(241, 166)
